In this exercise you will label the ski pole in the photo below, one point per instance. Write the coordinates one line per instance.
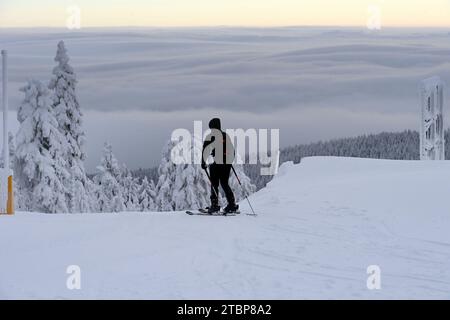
(245, 193)
(209, 178)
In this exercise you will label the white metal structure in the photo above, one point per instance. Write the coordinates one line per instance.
(432, 123)
(6, 176)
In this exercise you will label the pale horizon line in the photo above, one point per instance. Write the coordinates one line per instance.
(229, 26)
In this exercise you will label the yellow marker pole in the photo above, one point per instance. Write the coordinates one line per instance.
(10, 201)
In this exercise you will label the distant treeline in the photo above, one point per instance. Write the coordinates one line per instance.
(386, 145)
(150, 173)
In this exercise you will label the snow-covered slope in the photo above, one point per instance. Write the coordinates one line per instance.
(321, 224)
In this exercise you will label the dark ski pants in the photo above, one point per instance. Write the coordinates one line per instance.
(220, 174)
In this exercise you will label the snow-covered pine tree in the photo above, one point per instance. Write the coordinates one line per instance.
(108, 180)
(69, 116)
(39, 163)
(191, 187)
(130, 191)
(147, 195)
(166, 180)
(180, 186)
(186, 186)
(92, 189)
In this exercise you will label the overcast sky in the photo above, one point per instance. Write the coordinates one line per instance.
(138, 84)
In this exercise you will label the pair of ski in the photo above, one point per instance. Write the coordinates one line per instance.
(204, 212)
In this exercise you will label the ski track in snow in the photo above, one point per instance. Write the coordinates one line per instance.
(321, 224)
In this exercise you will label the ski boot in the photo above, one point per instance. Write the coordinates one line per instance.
(231, 208)
(213, 209)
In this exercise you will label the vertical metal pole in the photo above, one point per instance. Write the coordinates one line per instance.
(5, 111)
(8, 178)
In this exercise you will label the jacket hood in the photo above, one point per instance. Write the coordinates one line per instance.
(215, 124)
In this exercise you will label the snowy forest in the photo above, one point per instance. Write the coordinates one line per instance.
(47, 156)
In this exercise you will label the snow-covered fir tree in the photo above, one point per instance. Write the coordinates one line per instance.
(191, 187)
(69, 116)
(166, 180)
(130, 190)
(186, 186)
(147, 195)
(109, 194)
(180, 186)
(40, 167)
(93, 191)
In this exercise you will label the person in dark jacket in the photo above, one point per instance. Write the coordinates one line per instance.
(219, 145)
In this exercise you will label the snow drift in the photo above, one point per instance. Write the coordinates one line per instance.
(321, 223)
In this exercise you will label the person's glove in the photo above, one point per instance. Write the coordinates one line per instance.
(204, 166)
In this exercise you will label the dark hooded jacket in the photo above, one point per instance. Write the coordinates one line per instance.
(228, 151)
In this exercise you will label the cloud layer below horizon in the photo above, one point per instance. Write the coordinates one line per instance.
(312, 83)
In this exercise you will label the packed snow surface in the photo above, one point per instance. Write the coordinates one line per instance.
(321, 223)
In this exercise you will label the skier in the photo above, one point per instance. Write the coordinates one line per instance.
(218, 144)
